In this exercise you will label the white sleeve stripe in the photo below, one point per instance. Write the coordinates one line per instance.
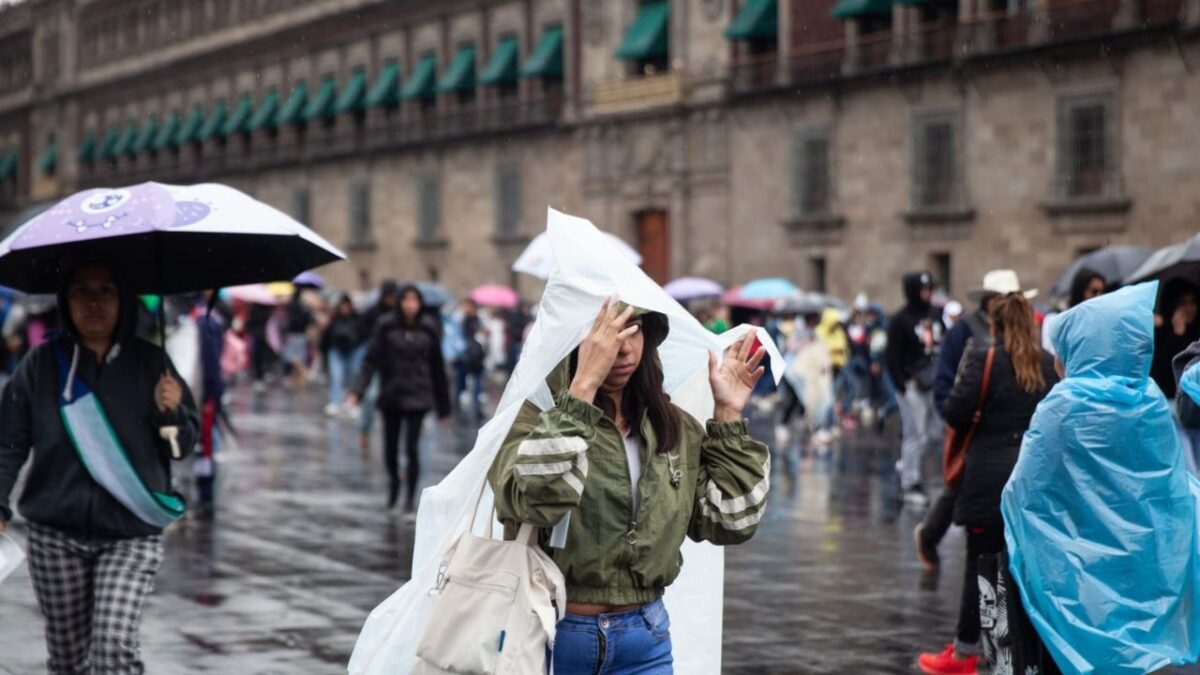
(543, 469)
(560, 445)
(574, 482)
(749, 500)
(735, 525)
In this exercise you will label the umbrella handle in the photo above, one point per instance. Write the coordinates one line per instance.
(171, 435)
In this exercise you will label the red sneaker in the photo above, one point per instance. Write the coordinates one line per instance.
(947, 663)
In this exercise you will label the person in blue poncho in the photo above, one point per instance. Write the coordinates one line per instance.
(1100, 513)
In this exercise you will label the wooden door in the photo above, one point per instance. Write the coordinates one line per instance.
(654, 243)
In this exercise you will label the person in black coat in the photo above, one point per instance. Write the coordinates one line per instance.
(405, 350)
(1021, 376)
(342, 343)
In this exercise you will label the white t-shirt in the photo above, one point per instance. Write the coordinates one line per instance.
(633, 453)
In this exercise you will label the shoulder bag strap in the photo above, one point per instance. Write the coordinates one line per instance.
(983, 387)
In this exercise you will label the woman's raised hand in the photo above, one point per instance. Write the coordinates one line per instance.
(734, 379)
(599, 349)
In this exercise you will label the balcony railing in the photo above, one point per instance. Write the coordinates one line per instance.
(401, 128)
(1080, 18)
(637, 92)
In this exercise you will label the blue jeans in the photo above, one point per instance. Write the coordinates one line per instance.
(343, 366)
(637, 642)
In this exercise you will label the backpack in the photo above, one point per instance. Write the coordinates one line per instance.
(495, 610)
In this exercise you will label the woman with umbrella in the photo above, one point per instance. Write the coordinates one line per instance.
(1175, 329)
(405, 350)
(98, 493)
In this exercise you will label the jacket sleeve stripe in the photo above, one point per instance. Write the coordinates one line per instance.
(543, 469)
(749, 500)
(739, 524)
(559, 445)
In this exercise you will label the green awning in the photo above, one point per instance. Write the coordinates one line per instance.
(48, 162)
(321, 104)
(106, 144)
(502, 68)
(167, 132)
(460, 76)
(264, 117)
(191, 126)
(239, 121)
(293, 110)
(124, 142)
(87, 148)
(646, 37)
(8, 165)
(756, 19)
(386, 90)
(853, 9)
(145, 137)
(546, 59)
(423, 81)
(214, 126)
(354, 94)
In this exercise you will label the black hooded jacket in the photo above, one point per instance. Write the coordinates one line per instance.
(408, 359)
(59, 492)
(906, 354)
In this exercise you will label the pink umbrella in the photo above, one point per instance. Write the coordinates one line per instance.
(254, 294)
(733, 298)
(494, 295)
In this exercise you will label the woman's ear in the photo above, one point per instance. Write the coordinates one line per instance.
(1059, 367)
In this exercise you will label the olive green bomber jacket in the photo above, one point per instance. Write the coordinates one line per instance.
(570, 459)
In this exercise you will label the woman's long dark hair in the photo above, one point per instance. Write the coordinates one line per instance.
(644, 392)
(403, 291)
(1013, 326)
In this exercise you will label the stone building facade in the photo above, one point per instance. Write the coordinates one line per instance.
(836, 143)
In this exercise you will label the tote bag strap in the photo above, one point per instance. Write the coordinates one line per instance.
(983, 386)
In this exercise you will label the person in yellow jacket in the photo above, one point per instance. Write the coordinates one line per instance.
(632, 475)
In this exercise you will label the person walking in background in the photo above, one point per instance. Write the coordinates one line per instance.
(518, 320)
(974, 328)
(342, 342)
(912, 340)
(94, 396)
(261, 354)
(386, 305)
(405, 351)
(1020, 376)
(211, 326)
(471, 357)
(297, 320)
(1176, 328)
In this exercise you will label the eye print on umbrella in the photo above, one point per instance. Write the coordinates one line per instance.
(190, 213)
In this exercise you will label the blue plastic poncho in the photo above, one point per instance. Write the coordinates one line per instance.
(1100, 513)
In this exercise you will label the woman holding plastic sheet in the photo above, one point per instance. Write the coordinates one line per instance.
(629, 475)
(98, 493)
(1019, 375)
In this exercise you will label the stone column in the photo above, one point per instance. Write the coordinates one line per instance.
(783, 63)
(1039, 22)
(1128, 15)
(1191, 13)
(852, 59)
(903, 34)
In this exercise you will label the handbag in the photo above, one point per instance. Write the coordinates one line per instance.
(496, 606)
(1011, 645)
(954, 450)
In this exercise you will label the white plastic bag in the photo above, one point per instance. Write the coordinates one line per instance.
(588, 270)
(11, 556)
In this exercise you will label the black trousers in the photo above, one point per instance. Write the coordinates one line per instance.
(940, 516)
(393, 420)
(980, 541)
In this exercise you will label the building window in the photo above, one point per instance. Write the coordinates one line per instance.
(429, 208)
(818, 271)
(936, 181)
(811, 193)
(1086, 162)
(360, 214)
(300, 206)
(939, 263)
(508, 200)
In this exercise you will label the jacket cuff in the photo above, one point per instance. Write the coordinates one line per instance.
(579, 409)
(735, 429)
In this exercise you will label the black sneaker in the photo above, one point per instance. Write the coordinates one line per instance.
(927, 553)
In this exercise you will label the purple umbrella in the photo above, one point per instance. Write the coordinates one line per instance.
(310, 279)
(692, 288)
(164, 239)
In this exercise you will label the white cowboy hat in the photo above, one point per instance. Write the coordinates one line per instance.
(1001, 282)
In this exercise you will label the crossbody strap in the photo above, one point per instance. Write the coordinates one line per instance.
(983, 386)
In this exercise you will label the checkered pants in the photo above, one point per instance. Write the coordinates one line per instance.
(92, 596)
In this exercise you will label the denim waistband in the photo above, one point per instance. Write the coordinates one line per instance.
(632, 618)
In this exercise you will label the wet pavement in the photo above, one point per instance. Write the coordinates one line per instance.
(301, 550)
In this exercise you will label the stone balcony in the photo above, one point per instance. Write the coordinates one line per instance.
(631, 94)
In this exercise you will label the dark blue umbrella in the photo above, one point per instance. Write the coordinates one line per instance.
(1115, 263)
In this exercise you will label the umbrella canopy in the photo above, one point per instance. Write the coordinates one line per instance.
(733, 297)
(1114, 263)
(309, 279)
(806, 303)
(254, 294)
(493, 295)
(538, 260)
(1180, 260)
(165, 239)
(692, 288)
(772, 288)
